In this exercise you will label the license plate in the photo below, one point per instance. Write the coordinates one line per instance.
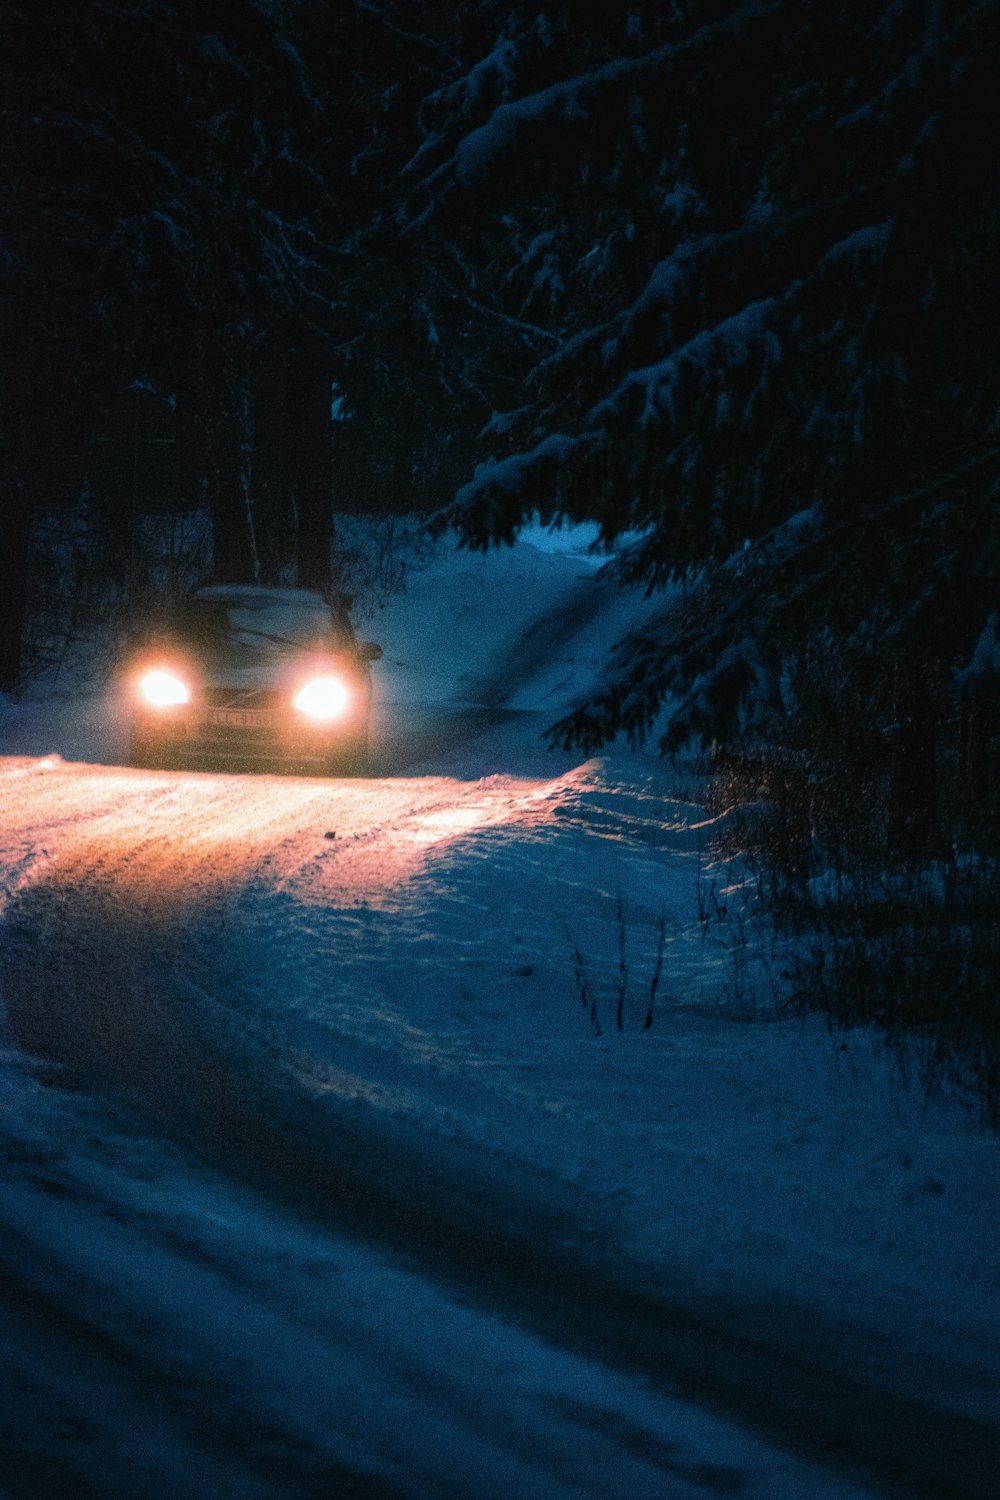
(241, 718)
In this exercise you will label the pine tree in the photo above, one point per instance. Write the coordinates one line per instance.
(754, 246)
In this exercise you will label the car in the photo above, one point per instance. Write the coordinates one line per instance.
(271, 677)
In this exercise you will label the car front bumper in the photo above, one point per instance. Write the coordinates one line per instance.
(185, 736)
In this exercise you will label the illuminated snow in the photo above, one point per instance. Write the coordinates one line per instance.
(251, 979)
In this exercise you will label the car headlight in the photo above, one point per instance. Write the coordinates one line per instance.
(323, 698)
(163, 689)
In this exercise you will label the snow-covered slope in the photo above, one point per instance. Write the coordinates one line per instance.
(500, 1011)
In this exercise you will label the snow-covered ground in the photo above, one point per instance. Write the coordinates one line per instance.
(340, 1157)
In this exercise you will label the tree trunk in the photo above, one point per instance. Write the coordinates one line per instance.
(15, 543)
(270, 488)
(310, 466)
(914, 825)
(218, 411)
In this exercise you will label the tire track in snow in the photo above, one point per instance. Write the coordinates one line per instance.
(108, 964)
(100, 973)
(103, 975)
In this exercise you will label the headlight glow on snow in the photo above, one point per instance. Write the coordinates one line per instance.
(322, 698)
(163, 689)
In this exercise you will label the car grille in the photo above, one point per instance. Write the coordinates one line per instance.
(270, 698)
(241, 734)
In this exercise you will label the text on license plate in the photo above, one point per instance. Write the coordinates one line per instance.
(241, 718)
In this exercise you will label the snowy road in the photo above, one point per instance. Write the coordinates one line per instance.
(222, 1247)
(346, 1363)
(357, 1142)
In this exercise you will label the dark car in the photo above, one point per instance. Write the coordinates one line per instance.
(256, 675)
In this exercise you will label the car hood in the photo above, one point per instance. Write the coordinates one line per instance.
(271, 673)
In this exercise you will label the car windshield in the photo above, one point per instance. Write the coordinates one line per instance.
(238, 627)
